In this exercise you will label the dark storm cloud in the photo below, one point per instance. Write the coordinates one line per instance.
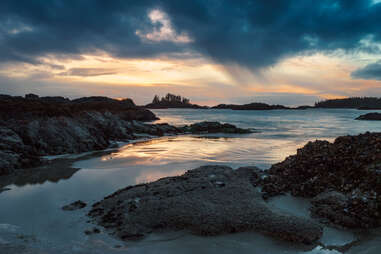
(370, 71)
(254, 34)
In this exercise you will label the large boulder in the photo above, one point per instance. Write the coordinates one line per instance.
(209, 200)
(350, 166)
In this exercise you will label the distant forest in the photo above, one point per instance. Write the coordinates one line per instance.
(354, 102)
(170, 99)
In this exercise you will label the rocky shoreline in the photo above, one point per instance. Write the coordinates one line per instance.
(34, 126)
(341, 179)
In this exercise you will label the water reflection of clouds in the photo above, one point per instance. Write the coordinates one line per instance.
(209, 149)
(153, 175)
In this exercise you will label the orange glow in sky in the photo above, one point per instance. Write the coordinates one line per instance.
(194, 76)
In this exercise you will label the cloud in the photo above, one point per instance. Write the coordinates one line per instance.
(371, 71)
(254, 34)
(88, 72)
(165, 32)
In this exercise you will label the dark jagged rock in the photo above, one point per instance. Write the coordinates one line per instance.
(74, 206)
(33, 106)
(34, 126)
(209, 200)
(250, 106)
(370, 116)
(350, 166)
(214, 127)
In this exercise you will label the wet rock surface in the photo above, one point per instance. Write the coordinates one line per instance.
(214, 127)
(209, 200)
(370, 116)
(34, 126)
(343, 177)
(74, 206)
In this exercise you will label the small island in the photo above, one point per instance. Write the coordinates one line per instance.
(370, 116)
(172, 101)
(364, 103)
(250, 106)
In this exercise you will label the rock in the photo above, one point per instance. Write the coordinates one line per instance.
(209, 200)
(370, 116)
(92, 231)
(74, 206)
(214, 127)
(31, 96)
(346, 210)
(350, 167)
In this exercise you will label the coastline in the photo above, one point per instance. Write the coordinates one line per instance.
(319, 245)
(47, 175)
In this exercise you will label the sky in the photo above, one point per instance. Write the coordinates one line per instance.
(290, 52)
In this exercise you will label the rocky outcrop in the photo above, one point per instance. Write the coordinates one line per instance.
(35, 126)
(32, 106)
(370, 116)
(250, 106)
(351, 167)
(209, 200)
(214, 127)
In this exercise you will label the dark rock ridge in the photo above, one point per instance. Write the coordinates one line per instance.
(250, 106)
(33, 106)
(348, 169)
(370, 116)
(31, 127)
(209, 200)
(172, 101)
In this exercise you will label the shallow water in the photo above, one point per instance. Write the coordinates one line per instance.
(31, 218)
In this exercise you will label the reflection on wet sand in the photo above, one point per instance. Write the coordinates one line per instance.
(208, 149)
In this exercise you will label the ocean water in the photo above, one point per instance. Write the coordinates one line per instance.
(32, 221)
